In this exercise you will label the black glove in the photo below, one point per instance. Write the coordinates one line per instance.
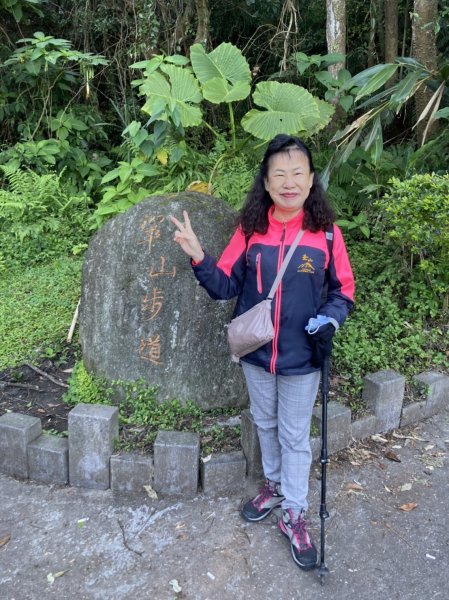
(321, 343)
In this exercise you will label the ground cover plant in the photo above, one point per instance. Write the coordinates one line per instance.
(142, 415)
(36, 309)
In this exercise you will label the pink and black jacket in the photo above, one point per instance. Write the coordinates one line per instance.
(247, 269)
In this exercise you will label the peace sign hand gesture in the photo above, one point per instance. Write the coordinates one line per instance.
(186, 238)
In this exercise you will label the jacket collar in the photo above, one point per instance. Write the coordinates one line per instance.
(294, 223)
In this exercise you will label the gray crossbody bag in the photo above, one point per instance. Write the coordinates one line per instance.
(254, 328)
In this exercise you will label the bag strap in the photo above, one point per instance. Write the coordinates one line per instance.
(330, 240)
(284, 265)
(330, 244)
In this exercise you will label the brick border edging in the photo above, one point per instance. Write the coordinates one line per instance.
(86, 459)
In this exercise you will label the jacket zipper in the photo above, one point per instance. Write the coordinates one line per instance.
(277, 310)
(259, 273)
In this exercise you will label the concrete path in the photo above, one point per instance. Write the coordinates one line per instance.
(105, 547)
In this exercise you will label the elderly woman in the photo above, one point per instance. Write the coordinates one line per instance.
(315, 296)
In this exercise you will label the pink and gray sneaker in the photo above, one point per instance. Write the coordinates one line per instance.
(303, 551)
(269, 497)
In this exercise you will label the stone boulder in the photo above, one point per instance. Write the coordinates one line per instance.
(142, 313)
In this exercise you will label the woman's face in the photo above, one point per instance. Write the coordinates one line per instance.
(288, 182)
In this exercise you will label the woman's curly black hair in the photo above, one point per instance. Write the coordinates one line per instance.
(318, 214)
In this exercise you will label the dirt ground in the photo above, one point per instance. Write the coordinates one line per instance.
(25, 390)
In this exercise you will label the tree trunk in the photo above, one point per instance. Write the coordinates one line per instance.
(424, 50)
(203, 17)
(391, 34)
(183, 25)
(336, 31)
(372, 58)
(391, 30)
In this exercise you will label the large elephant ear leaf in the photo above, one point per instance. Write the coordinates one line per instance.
(289, 109)
(176, 98)
(223, 73)
(218, 90)
(326, 111)
(225, 61)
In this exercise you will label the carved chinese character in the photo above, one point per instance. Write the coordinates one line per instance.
(150, 233)
(152, 304)
(152, 219)
(150, 349)
(153, 273)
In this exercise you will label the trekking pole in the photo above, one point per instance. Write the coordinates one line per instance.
(324, 460)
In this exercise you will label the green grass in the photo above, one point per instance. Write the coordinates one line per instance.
(36, 309)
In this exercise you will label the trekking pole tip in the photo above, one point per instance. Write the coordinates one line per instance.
(322, 572)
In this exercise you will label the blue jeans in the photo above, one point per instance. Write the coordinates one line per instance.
(281, 406)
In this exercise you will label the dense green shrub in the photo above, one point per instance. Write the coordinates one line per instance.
(387, 329)
(415, 221)
(40, 219)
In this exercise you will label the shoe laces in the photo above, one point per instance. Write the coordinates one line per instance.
(267, 492)
(300, 531)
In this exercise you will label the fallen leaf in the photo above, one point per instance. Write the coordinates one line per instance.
(355, 487)
(406, 487)
(180, 525)
(151, 493)
(408, 437)
(379, 438)
(175, 585)
(5, 540)
(392, 456)
(199, 186)
(429, 447)
(52, 576)
(207, 458)
(408, 506)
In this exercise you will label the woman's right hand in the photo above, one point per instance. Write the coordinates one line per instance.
(186, 238)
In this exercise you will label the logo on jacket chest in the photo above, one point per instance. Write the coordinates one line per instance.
(307, 265)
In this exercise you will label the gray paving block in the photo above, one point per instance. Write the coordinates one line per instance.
(338, 425)
(364, 427)
(93, 430)
(131, 471)
(48, 459)
(176, 463)
(223, 472)
(437, 390)
(412, 413)
(250, 445)
(16, 432)
(384, 393)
